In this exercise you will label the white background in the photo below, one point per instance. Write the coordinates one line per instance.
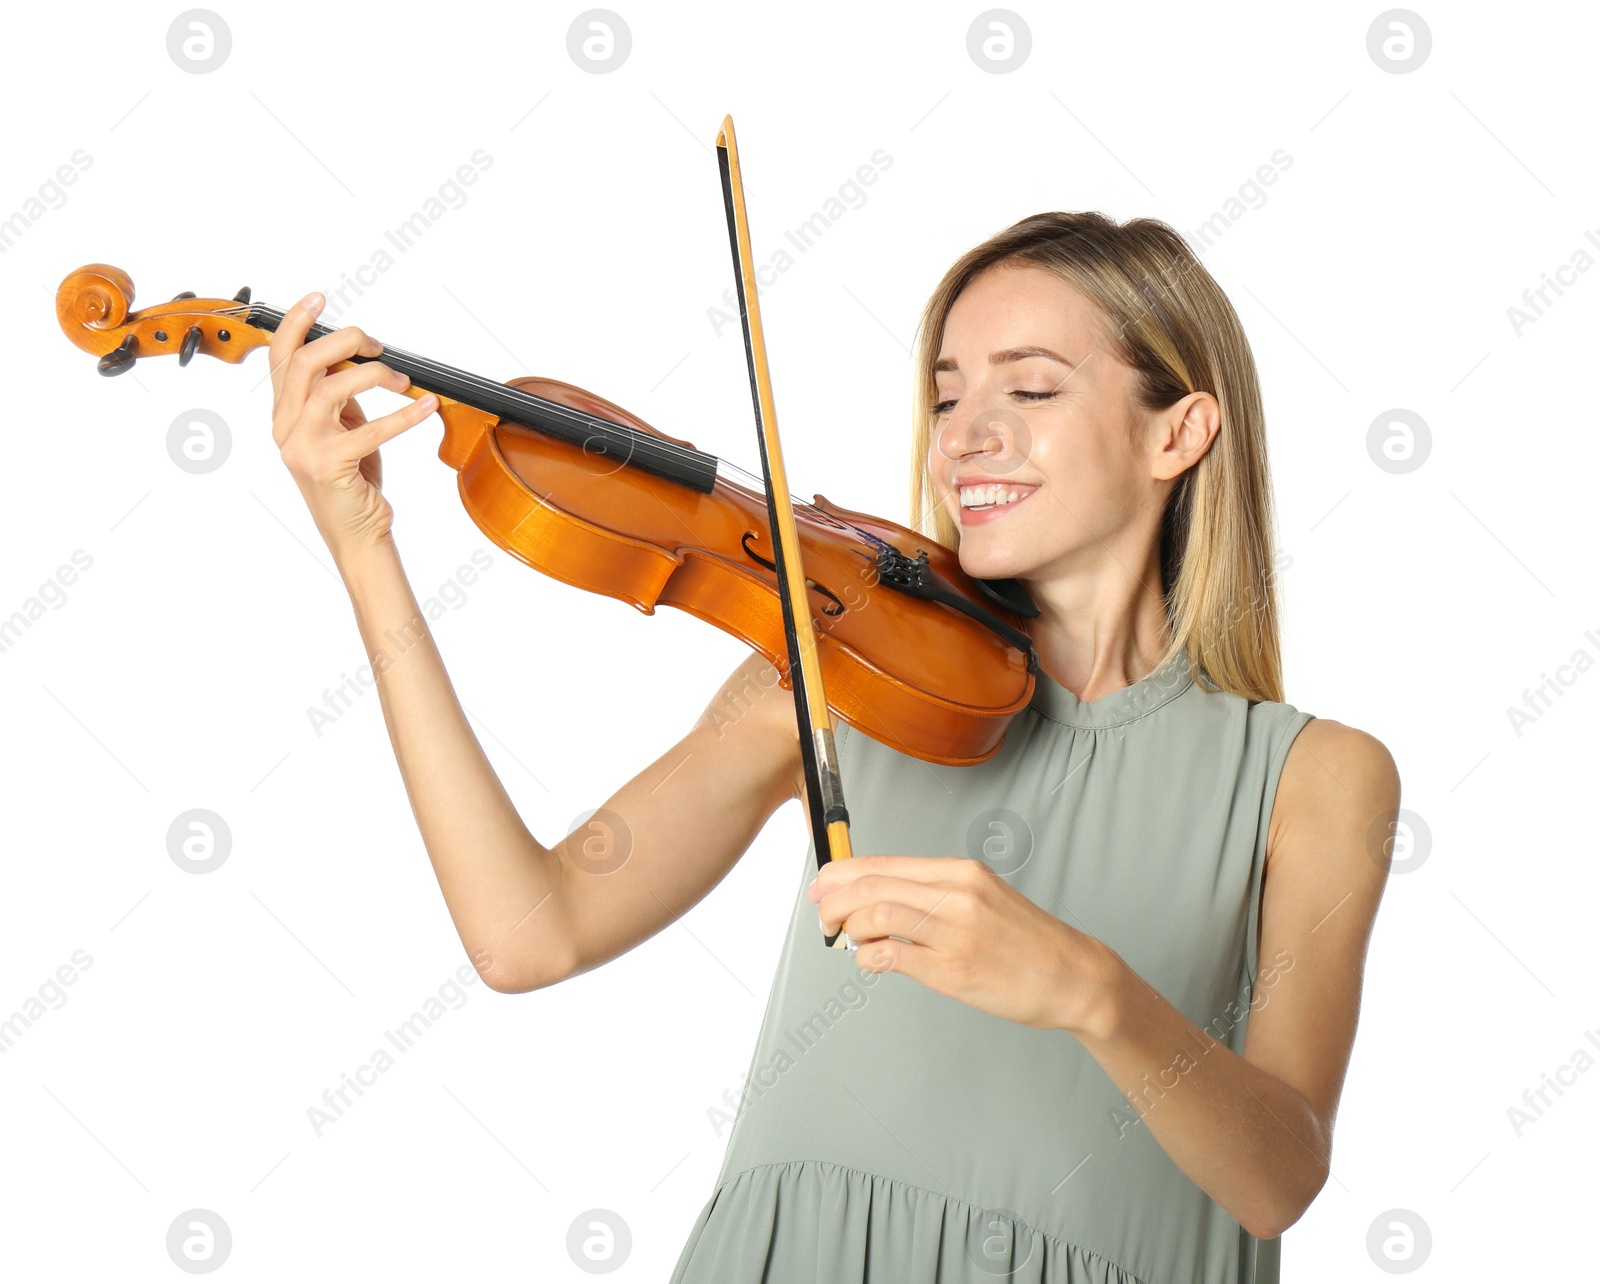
(178, 670)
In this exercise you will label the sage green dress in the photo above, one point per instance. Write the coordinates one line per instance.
(892, 1135)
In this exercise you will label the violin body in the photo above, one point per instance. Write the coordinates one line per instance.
(930, 680)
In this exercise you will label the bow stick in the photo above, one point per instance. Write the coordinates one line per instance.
(830, 822)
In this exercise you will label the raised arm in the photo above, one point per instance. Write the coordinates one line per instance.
(528, 914)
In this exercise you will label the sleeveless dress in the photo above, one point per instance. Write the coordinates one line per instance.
(888, 1133)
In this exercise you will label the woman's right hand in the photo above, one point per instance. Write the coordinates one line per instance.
(323, 436)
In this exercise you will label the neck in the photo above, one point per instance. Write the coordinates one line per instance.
(1101, 628)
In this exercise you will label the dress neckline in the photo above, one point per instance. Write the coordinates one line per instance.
(1117, 708)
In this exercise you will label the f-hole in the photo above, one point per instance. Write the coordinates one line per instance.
(834, 608)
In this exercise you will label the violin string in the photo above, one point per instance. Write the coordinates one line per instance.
(758, 484)
(555, 407)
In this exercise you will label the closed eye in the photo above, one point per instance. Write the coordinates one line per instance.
(943, 407)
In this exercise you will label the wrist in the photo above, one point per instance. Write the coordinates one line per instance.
(1095, 999)
(358, 562)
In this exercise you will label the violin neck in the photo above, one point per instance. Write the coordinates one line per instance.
(652, 454)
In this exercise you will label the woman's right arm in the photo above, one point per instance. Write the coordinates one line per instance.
(528, 915)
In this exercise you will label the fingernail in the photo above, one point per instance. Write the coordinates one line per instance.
(312, 303)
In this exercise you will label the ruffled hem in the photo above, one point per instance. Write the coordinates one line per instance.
(809, 1221)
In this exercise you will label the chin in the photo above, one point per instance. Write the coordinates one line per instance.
(990, 563)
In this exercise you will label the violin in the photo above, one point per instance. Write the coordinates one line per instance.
(913, 651)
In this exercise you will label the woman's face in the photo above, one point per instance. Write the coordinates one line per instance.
(1058, 430)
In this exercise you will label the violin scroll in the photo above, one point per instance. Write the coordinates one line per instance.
(95, 297)
(92, 307)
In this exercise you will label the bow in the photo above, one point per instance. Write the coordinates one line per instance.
(830, 822)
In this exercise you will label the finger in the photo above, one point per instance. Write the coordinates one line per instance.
(289, 335)
(308, 364)
(874, 906)
(337, 388)
(360, 442)
(883, 919)
(889, 955)
(838, 873)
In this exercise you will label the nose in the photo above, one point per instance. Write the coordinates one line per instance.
(988, 436)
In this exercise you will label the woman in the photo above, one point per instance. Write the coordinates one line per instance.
(1107, 982)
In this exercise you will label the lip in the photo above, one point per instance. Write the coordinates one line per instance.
(969, 517)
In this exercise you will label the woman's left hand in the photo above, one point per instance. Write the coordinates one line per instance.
(964, 931)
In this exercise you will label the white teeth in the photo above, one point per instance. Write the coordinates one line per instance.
(989, 496)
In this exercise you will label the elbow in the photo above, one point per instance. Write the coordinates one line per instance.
(1287, 1211)
(502, 982)
(506, 974)
(1272, 1229)
(1294, 1183)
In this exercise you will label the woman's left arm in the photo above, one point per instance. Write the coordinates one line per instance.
(1253, 1131)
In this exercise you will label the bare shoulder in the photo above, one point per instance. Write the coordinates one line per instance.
(1329, 849)
(1336, 780)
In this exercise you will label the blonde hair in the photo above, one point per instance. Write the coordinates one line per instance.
(1166, 317)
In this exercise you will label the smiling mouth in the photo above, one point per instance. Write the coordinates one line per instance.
(985, 499)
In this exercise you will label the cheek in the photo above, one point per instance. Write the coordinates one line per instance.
(1092, 475)
(937, 466)
(1085, 454)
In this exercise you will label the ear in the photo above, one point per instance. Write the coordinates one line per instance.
(1182, 433)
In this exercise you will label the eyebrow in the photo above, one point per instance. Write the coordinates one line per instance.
(1003, 357)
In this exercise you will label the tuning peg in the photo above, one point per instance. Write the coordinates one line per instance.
(187, 294)
(243, 296)
(121, 358)
(191, 341)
